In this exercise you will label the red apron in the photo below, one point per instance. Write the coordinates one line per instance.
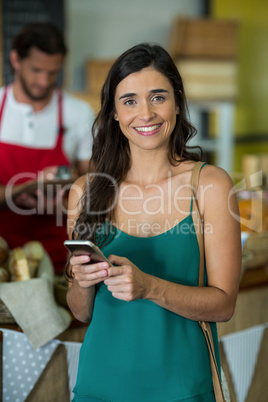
(17, 229)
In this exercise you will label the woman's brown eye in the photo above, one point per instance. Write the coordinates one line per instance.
(129, 102)
(158, 98)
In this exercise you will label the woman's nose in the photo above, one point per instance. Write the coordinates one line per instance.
(146, 111)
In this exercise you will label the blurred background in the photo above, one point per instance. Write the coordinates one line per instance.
(98, 31)
(220, 48)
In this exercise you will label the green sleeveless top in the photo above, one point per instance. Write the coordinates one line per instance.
(138, 351)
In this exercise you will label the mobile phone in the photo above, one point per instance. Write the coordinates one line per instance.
(80, 247)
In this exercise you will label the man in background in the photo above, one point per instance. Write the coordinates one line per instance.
(41, 128)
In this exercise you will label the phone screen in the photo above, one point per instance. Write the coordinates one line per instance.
(80, 247)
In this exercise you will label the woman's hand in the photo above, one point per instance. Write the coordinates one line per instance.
(126, 281)
(81, 293)
(87, 274)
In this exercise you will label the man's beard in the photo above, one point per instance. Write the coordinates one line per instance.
(33, 97)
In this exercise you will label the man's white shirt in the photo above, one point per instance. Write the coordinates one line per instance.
(22, 126)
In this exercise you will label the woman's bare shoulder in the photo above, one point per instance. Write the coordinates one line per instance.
(216, 191)
(215, 176)
(76, 191)
(81, 181)
(209, 175)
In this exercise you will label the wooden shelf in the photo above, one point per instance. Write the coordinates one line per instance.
(254, 278)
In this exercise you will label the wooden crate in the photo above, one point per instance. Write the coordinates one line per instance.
(257, 245)
(203, 38)
(96, 73)
(206, 80)
(253, 163)
(253, 211)
(92, 99)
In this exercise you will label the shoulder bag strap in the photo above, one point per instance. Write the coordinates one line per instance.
(197, 219)
(198, 223)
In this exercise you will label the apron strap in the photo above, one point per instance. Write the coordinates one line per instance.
(60, 114)
(3, 105)
(60, 110)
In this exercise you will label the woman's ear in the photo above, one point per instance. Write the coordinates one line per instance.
(177, 110)
(115, 116)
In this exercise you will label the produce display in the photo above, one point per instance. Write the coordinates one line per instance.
(21, 263)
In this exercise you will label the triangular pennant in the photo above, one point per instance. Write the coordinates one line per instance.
(226, 370)
(241, 349)
(259, 386)
(27, 364)
(1, 364)
(73, 350)
(53, 384)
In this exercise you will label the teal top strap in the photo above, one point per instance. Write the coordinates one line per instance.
(191, 207)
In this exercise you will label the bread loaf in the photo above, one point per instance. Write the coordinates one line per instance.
(18, 265)
(32, 265)
(34, 252)
(4, 275)
(4, 251)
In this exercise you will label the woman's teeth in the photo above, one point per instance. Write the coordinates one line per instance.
(147, 129)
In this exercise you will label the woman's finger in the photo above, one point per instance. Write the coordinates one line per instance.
(117, 260)
(90, 276)
(89, 268)
(116, 271)
(79, 259)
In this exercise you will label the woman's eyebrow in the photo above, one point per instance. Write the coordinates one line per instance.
(153, 91)
(127, 95)
(160, 90)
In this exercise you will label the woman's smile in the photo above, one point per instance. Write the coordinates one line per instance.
(148, 130)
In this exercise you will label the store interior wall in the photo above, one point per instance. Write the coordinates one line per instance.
(251, 118)
(106, 28)
(103, 29)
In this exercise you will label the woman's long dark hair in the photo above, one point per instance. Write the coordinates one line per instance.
(111, 158)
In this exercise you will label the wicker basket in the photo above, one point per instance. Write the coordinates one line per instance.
(5, 316)
(60, 291)
(45, 271)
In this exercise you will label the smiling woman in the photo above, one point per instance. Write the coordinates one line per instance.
(150, 111)
(144, 342)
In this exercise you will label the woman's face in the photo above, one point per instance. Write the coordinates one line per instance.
(146, 109)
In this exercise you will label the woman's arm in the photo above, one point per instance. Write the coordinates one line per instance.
(216, 302)
(81, 292)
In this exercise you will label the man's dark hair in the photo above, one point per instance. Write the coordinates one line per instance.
(42, 35)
